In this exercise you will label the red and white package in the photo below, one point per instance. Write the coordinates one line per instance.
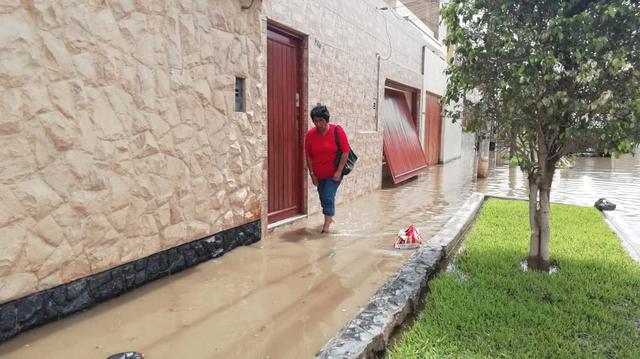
(408, 238)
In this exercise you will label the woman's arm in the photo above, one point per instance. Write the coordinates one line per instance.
(343, 160)
(314, 179)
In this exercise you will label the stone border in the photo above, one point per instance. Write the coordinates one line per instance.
(52, 304)
(367, 334)
(453, 232)
(630, 240)
(512, 198)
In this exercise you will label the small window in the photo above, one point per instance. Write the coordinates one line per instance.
(240, 95)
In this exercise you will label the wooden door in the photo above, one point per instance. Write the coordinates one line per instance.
(432, 128)
(285, 166)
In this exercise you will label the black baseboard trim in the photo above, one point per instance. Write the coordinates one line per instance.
(52, 304)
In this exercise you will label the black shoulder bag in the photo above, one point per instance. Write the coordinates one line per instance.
(351, 159)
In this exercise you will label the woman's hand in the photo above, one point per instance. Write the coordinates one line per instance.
(337, 176)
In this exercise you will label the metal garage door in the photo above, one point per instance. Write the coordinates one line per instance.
(402, 148)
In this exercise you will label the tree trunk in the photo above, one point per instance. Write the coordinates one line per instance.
(512, 145)
(539, 215)
(545, 230)
(534, 224)
(483, 159)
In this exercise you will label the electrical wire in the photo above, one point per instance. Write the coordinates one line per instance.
(386, 28)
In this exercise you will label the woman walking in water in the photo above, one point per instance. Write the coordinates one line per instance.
(321, 150)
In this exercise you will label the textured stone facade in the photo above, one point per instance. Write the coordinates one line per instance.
(119, 136)
(345, 39)
(118, 132)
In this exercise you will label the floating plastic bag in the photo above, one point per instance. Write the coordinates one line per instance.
(126, 355)
(408, 238)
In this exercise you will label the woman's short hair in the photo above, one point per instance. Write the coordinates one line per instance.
(320, 111)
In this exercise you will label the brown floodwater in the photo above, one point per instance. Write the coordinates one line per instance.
(282, 297)
(286, 295)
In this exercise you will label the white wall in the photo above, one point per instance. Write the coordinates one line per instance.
(451, 141)
(435, 81)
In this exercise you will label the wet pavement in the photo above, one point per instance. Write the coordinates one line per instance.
(286, 295)
(282, 297)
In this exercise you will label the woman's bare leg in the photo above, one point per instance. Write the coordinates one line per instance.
(327, 223)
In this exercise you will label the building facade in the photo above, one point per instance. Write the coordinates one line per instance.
(138, 138)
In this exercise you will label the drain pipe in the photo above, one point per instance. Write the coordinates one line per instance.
(422, 124)
(377, 104)
(422, 65)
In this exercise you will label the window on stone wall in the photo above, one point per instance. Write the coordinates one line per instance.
(240, 94)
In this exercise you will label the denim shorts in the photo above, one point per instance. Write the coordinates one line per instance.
(327, 189)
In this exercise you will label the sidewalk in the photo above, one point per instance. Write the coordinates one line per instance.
(283, 297)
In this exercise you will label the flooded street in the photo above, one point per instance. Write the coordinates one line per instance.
(282, 297)
(286, 295)
(617, 179)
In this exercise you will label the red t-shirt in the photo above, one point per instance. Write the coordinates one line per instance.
(322, 149)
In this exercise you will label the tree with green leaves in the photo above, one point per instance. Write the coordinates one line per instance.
(550, 72)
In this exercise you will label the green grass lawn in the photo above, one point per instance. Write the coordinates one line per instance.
(490, 308)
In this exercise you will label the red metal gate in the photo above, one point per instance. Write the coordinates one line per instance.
(285, 169)
(401, 143)
(432, 128)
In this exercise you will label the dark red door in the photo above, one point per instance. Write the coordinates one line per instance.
(285, 142)
(432, 128)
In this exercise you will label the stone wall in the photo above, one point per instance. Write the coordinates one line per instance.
(344, 41)
(118, 132)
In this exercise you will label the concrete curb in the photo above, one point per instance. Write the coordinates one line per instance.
(514, 198)
(367, 334)
(630, 240)
(453, 231)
